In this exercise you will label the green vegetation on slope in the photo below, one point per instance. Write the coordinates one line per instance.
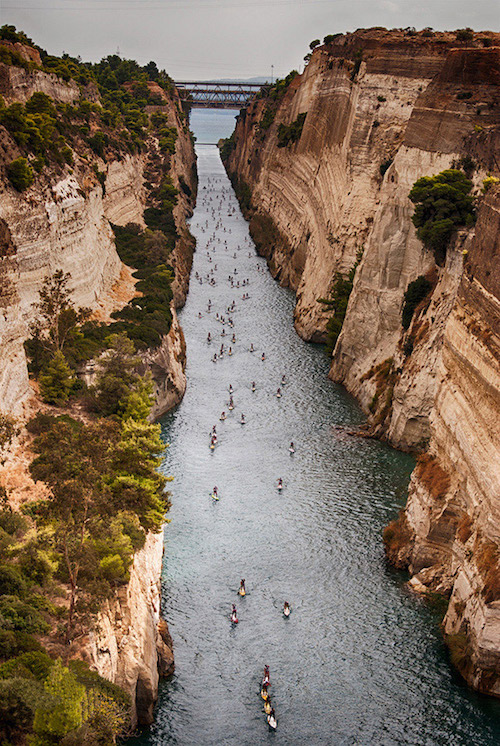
(72, 549)
(290, 133)
(443, 204)
(69, 552)
(273, 96)
(415, 293)
(339, 298)
(50, 131)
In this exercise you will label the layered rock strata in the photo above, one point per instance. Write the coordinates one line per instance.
(382, 110)
(63, 221)
(131, 644)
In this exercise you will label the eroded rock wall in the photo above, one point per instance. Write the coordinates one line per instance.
(418, 107)
(454, 526)
(323, 193)
(63, 221)
(131, 644)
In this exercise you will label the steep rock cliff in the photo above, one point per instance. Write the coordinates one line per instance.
(63, 221)
(453, 539)
(382, 110)
(131, 644)
(323, 192)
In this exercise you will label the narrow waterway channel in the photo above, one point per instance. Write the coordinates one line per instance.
(360, 660)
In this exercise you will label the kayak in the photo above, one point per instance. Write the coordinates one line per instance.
(273, 723)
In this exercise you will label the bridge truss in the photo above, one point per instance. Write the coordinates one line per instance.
(218, 95)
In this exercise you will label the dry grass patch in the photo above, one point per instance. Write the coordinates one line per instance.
(434, 478)
(397, 536)
(464, 528)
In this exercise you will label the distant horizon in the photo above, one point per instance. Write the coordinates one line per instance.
(214, 40)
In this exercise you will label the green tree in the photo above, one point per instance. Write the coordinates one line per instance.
(464, 34)
(118, 376)
(64, 708)
(40, 103)
(314, 44)
(56, 321)
(71, 459)
(135, 482)
(55, 300)
(443, 204)
(56, 381)
(8, 431)
(138, 403)
(19, 699)
(20, 174)
(104, 487)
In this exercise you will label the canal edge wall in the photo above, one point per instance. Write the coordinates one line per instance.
(384, 109)
(63, 222)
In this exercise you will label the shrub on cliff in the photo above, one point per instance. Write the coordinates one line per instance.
(146, 319)
(274, 95)
(228, 145)
(385, 165)
(337, 302)
(20, 174)
(464, 34)
(118, 378)
(443, 204)
(330, 37)
(9, 33)
(290, 133)
(415, 292)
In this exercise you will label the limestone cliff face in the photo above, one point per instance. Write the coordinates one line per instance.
(323, 193)
(18, 85)
(63, 221)
(417, 106)
(59, 224)
(130, 644)
(167, 364)
(453, 537)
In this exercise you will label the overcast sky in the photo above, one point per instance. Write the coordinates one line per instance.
(204, 39)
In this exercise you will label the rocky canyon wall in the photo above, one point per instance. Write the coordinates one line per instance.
(383, 109)
(63, 222)
(131, 644)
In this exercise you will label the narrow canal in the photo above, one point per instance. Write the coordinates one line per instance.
(360, 660)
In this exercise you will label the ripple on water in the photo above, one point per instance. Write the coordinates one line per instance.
(360, 660)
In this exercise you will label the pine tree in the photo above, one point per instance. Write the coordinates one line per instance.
(63, 710)
(56, 382)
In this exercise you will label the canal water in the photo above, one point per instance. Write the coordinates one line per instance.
(360, 660)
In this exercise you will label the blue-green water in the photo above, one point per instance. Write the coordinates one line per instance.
(360, 660)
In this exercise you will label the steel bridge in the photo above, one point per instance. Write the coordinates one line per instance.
(217, 95)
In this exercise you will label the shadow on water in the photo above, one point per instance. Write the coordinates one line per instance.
(360, 660)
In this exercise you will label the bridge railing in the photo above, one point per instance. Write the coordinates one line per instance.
(217, 94)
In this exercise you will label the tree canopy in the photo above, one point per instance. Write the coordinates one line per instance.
(443, 204)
